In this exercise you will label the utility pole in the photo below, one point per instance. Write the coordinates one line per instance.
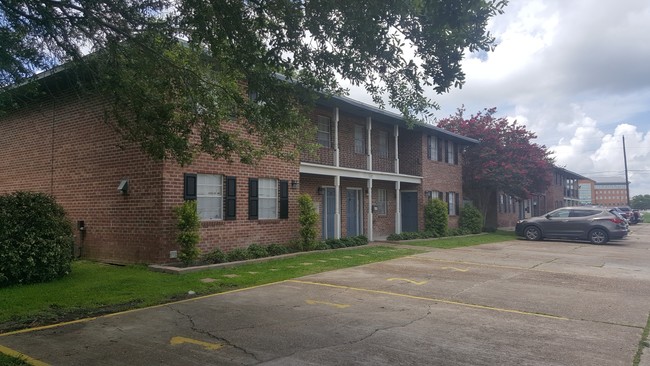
(627, 182)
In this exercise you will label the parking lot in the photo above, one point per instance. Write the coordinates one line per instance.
(511, 303)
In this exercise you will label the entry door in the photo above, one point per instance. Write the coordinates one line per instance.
(409, 211)
(329, 208)
(354, 226)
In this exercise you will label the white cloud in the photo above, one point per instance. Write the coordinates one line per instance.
(575, 73)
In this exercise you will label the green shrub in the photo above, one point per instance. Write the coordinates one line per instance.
(321, 246)
(238, 254)
(188, 237)
(470, 219)
(436, 217)
(257, 251)
(215, 256)
(36, 239)
(308, 218)
(277, 249)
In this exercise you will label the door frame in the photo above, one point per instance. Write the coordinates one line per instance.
(359, 210)
(402, 211)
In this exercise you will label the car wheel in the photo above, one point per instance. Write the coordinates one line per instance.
(532, 233)
(598, 236)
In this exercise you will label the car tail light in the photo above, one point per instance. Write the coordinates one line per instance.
(616, 220)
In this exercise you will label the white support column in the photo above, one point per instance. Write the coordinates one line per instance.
(398, 209)
(336, 137)
(337, 205)
(369, 142)
(370, 213)
(396, 133)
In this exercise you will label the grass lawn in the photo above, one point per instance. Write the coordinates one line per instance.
(95, 288)
(464, 241)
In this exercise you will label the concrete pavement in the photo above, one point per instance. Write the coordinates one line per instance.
(512, 303)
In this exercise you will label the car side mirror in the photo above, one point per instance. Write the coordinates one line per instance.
(548, 216)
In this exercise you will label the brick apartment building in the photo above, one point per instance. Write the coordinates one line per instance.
(563, 191)
(610, 192)
(371, 176)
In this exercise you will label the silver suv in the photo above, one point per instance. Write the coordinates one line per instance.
(582, 223)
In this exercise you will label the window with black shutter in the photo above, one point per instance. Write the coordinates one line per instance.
(284, 199)
(253, 197)
(189, 186)
(231, 198)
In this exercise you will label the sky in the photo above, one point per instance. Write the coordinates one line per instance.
(577, 74)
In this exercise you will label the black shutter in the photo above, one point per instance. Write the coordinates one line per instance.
(446, 150)
(252, 199)
(189, 186)
(456, 154)
(429, 147)
(284, 199)
(441, 145)
(231, 198)
(457, 202)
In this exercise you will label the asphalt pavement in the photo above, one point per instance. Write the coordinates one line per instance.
(510, 303)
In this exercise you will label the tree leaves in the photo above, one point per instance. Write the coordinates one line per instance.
(161, 92)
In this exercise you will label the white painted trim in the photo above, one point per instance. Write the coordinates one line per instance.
(370, 213)
(396, 133)
(337, 208)
(336, 137)
(328, 170)
(369, 143)
(398, 208)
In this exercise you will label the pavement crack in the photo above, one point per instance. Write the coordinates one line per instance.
(543, 263)
(225, 341)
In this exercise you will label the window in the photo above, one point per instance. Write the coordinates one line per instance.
(432, 151)
(451, 152)
(383, 144)
(452, 201)
(267, 199)
(359, 139)
(324, 131)
(381, 201)
(209, 196)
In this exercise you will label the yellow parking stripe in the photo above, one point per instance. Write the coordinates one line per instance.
(475, 306)
(29, 360)
(418, 283)
(27, 330)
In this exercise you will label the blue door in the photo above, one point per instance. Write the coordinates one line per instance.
(354, 226)
(409, 211)
(329, 209)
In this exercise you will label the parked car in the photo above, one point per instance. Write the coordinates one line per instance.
(620, 216)
(636, 217)
(596, 225)
(626, 211)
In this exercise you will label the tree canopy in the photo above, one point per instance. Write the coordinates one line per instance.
(641, 202)
(162, 90)
(506, 160)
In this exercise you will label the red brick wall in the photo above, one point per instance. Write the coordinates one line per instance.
(64, 148)
(410, 152)
(241, 232)
(348, 158)
(442, 177)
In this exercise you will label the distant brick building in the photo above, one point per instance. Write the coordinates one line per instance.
(610, 192)
(562, 192)
(371, 176)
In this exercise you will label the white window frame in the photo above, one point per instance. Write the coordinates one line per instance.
(381, 201)
(433, 148)
(209, 189)
(359, 139)
(451, 196)
(267, 199)
(324, 124)
(450, 152)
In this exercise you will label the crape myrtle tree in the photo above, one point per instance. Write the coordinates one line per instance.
(506, 160)
(172, 69)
